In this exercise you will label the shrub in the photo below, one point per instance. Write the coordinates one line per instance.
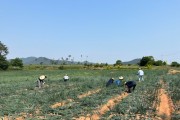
(61, 67)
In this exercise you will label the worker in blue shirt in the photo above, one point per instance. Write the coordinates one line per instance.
(119, 81)
(110, 81)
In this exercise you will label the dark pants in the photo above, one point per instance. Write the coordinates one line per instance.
(65, 80)
(131, 87)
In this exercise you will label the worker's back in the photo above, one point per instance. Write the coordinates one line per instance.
(130, 83)
(110, 81)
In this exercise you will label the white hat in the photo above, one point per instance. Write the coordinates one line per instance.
(42, 77)
(121, 77)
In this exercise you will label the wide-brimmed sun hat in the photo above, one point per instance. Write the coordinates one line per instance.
(42, 77)
(121, 78)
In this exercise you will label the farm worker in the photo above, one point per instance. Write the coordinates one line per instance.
(41, 80)
(110, 81)
(66, 77)
(118, 82)
(129, 85)
(140, 74)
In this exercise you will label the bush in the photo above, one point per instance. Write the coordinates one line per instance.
(17, 62)
(61, 67)
(175, 64)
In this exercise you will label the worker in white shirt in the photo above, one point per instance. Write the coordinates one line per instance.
(140, 74)
(66, 77)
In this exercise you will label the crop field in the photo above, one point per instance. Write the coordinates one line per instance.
(86, 97)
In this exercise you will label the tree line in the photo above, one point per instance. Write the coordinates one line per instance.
(17, 63)
(4, 63)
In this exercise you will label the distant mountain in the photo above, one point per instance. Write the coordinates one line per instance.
(35, 60)
(28, 60)
(47, 61)
(135, 61)
(44, 61)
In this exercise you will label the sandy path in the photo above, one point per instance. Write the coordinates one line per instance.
(165, 107)
(22, 117)
(104, 108)
(88, 93)
(62, 103)
(172, 71)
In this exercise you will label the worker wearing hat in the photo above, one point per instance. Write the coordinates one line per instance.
(119, 81)
(66, 78)
(41, 80)
(110, 81)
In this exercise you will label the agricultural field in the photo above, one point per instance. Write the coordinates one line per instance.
(85, 96)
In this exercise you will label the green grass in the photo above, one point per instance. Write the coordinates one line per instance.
(19, 95)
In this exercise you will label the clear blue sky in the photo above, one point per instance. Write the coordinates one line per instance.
(99, 30)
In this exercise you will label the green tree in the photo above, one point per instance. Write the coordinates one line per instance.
(118, 62)
(175, 64)
(3, 49)
(17, 62)
(158, 63)
(147, 60)
(4, 64)
(164, 63)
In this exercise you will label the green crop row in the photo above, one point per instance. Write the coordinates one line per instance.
(140, 102)
(19, 94)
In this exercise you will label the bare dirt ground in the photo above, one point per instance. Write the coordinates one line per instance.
(172, 71)
(88, 93)
(165, 106)
(104, 108)
(22, 116)
(62, 103)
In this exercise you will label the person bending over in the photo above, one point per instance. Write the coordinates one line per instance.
(110, 81)
(130, 85)
(119, 81)
(41, 80)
